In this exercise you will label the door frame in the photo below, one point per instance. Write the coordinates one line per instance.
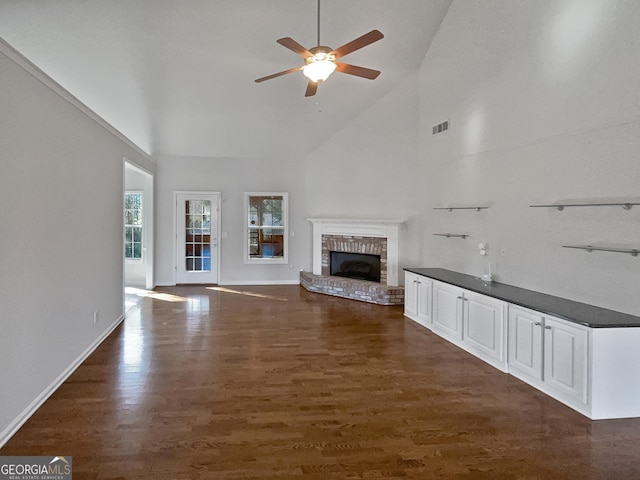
(148, 215)
(175, 228)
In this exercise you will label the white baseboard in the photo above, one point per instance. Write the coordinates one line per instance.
(261, 282)
(20, 420)
(243, 282)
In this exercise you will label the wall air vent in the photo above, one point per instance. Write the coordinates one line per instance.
(441, 127)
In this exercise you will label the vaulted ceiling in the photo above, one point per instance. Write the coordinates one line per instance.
(177, 76)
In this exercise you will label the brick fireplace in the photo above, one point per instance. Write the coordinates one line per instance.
(354, 244)
(358, 236)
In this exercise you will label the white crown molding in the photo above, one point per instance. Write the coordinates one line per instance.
(23, 62)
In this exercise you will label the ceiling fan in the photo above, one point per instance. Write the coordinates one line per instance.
(320, 61)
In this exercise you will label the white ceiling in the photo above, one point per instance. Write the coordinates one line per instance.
(177, 76)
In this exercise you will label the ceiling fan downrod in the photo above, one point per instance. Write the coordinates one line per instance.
(318, 23)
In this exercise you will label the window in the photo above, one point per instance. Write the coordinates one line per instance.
(198, 235)
(266, 239)
(133, 225)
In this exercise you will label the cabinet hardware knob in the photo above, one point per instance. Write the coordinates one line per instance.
(538, 323)
(548, 327)
(459, 298)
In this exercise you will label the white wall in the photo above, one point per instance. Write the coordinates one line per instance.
(544, 106)
(232, 177)
(61, 249)
(368, 169)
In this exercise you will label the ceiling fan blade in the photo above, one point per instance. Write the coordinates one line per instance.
(358, 43)
(279, 74)
(357, 71)
(312, 88)
(294, 46)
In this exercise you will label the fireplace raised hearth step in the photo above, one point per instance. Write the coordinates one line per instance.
(362, 290)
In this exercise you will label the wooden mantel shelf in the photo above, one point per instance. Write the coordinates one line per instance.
(357, 221)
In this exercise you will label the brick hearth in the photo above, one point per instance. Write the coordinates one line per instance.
(362, 290)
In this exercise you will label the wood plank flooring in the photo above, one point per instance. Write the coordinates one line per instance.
(274, 382)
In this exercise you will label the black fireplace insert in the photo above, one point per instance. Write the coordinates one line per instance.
(359, 266)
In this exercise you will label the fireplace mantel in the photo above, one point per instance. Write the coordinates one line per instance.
(383, 228)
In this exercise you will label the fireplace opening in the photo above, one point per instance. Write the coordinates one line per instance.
(359, 266)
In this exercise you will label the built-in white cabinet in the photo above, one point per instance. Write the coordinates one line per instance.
(425, 289)
(447, 310)
(472, 321)
(525, 344)
(484, 328)
(417, 298)
(565, 360)
(411, 295)
(550, 354)
(592, 369)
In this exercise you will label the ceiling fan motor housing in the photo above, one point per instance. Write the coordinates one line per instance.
(320, 53)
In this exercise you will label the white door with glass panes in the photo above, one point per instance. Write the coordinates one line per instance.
(197, 225)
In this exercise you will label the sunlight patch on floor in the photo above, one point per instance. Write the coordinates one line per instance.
(165, 297)
(129, 304)
(248, 294)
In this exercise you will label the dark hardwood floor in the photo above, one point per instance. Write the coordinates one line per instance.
(277, 382)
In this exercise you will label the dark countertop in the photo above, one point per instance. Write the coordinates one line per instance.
(576, 312)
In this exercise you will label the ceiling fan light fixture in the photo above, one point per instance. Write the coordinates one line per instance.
(319, 70)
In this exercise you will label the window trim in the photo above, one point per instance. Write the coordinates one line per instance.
(285, 226)
(124, 240)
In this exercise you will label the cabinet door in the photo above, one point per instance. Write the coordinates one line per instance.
(525, 343)
(425, 286)
(447, 310)
(411, 295)
(484, 328)
(565, 359)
